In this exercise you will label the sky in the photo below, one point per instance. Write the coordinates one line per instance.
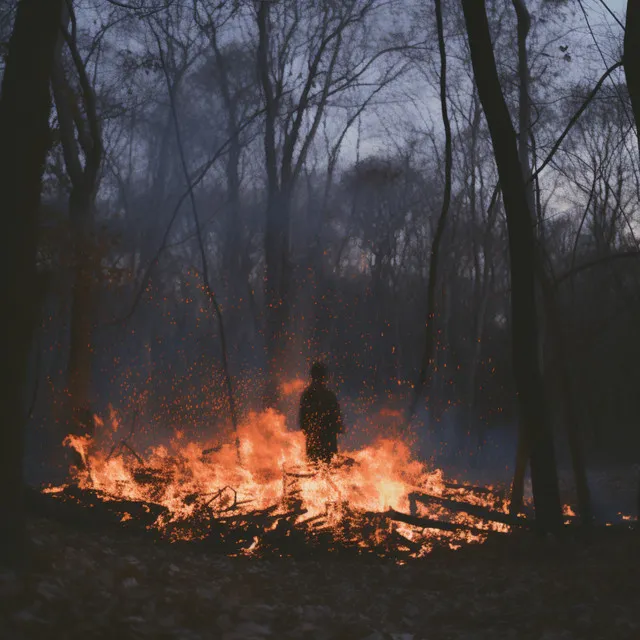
(608, 34)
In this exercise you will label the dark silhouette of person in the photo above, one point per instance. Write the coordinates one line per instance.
(320, 418)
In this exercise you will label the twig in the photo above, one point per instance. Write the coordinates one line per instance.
(612, 14)
(475, 510)
(575, 118)
(124, 443)
(219, 493)
(426, 375)
(205, 277)
(633, 253)
(191, 184)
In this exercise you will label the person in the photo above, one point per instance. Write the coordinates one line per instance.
(320, 418)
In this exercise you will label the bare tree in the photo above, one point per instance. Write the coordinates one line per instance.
(430, 322)
(531, 394)
(337, 58)
(209, 291)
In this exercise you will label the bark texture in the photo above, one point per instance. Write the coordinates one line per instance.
(528, 377)
(24, 141)
(631, 59)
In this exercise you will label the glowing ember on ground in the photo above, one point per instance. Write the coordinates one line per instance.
(270, 471)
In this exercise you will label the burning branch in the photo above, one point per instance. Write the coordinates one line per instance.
(124, 442)
(429, 523)
(276, 502)
(457, 506)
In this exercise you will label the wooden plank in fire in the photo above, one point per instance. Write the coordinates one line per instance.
(475, 510)
(87, 507)
(429, 523)
(454, 486)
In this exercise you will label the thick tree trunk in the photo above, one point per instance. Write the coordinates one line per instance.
(550, 317)
(631, 59)
(24, 141)
(569, 412)
(529, 384)
(524, 107)
(524, 118)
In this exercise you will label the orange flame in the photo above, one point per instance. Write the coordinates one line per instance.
(290, 387)
(269, 468)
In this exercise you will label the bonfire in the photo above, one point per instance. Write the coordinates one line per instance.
(253, 491)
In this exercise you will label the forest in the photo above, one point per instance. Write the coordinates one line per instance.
(439, 201)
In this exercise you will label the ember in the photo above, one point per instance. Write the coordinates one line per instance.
(365, 498)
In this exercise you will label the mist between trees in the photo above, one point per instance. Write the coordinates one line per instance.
(285, 162)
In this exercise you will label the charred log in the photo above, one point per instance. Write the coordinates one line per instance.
(430, 523)
(478, 511)
(88, 509)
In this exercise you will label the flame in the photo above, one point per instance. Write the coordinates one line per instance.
(290, 387)
(268, 468)
(81, 444)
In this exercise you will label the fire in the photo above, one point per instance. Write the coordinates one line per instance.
(291, 387)
(268, 469)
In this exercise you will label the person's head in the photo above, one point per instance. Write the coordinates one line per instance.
(318, 372)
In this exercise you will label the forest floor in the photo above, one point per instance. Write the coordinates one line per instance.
(88, 586)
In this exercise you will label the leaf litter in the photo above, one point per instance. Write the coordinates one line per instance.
(83, 585)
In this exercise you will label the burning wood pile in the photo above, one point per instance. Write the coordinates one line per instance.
(263, 497)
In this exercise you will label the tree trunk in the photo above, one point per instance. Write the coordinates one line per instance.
(569, 413)
(550, 315)
(24, 141)
(529, 384)
(631, 59)
(79, 145)
(524, 106)
(524, 118)
(428, 355)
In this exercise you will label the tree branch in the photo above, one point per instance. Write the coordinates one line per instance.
(203, 257)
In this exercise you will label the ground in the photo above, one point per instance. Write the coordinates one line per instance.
(90, 586)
